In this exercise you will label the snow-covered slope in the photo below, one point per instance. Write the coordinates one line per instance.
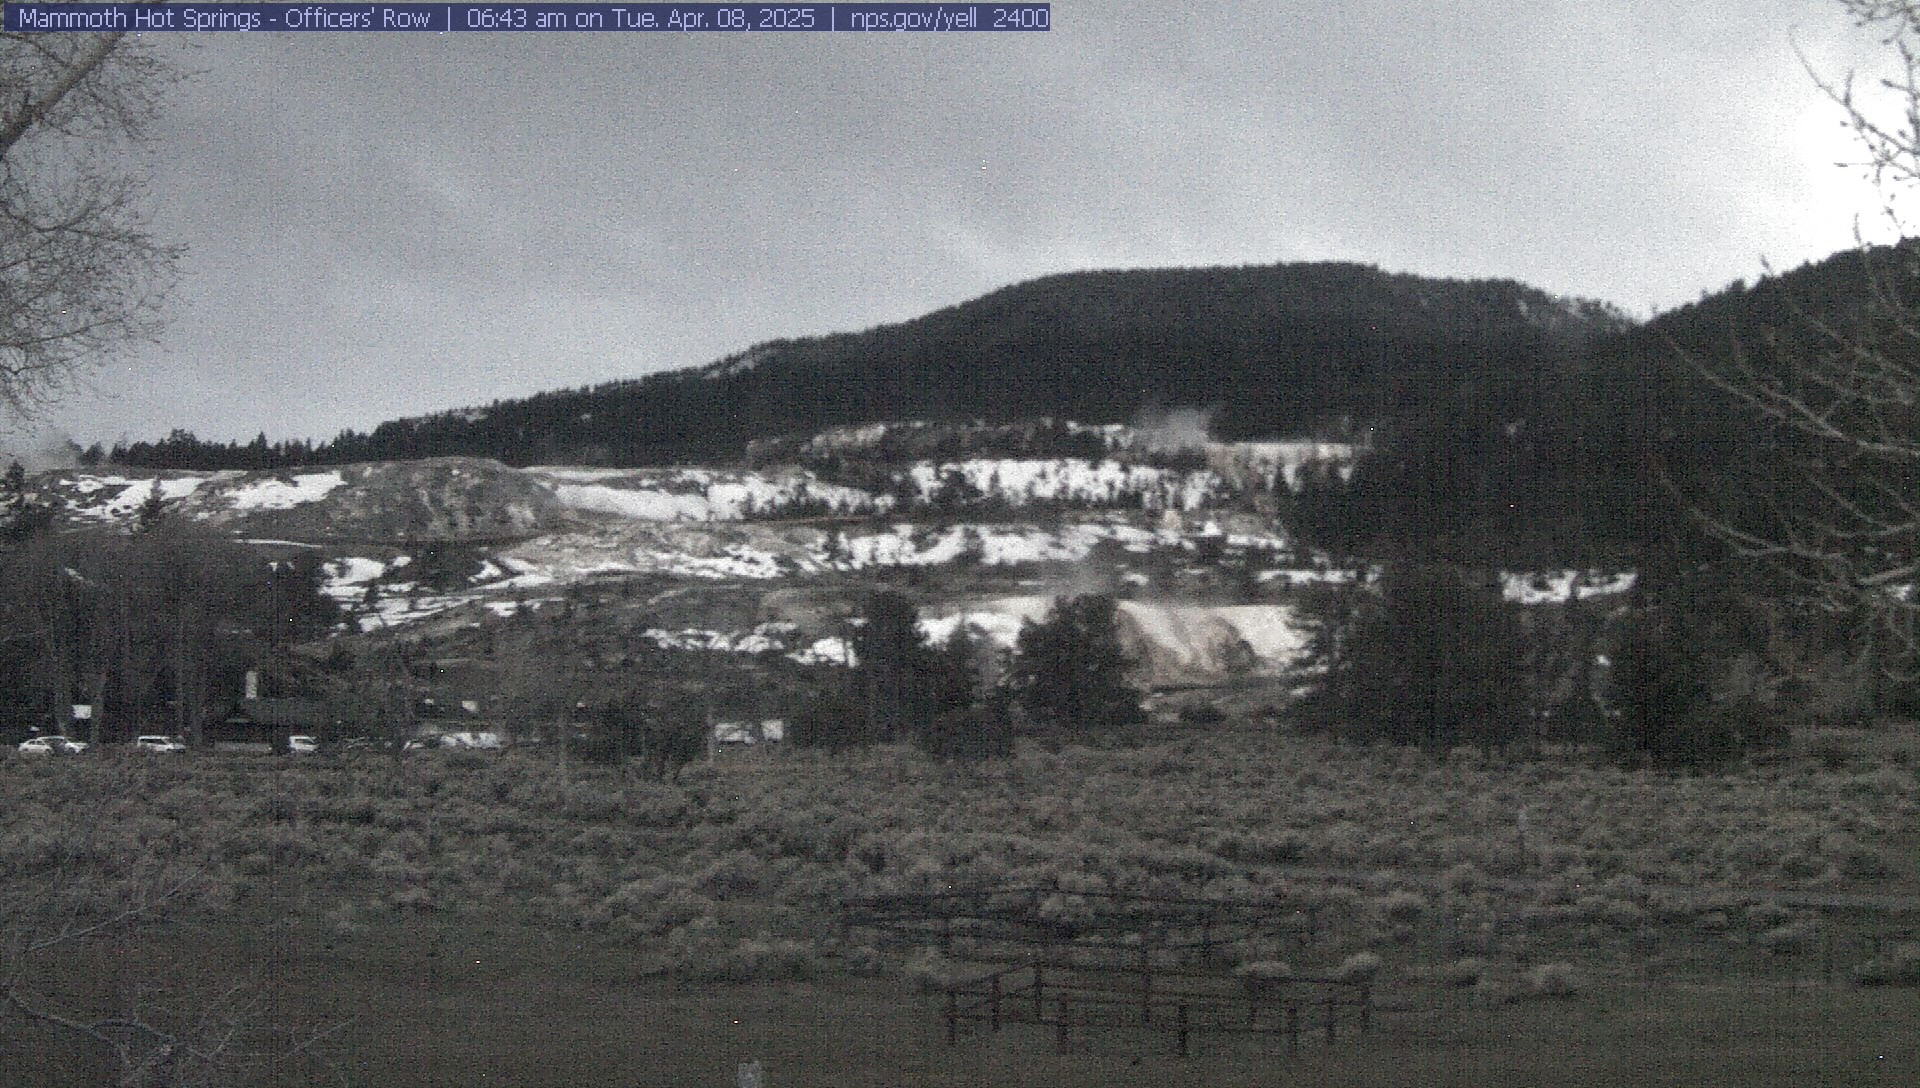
(450, 498)
(1170, 643)
(698, 494)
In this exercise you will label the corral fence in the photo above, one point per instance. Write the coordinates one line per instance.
(1072, 999)
(1096, 927)
(1074, 961)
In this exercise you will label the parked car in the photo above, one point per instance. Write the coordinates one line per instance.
(52, 746)
(302, 745)
(154, 742)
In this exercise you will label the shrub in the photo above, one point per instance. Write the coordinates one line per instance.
(1489, 992)
(1261, 849)
(865, 959)
(1791, 939)
(1202, 714)
(932, 971)
(1260, 976)
(1553, 980)
(1359, 967)
(979, 732)
(1898, 965)
(1463, 972)
(1464, 878)
(760, 958)
(1403, 907)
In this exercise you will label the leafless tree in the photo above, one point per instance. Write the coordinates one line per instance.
(148, 1037)
(80, 276)
(174, 606)
(1838, 397)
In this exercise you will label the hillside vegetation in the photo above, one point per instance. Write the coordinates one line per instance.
(1278, 350)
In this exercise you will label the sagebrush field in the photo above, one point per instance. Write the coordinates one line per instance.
(377, 876)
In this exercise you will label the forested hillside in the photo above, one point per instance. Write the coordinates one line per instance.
(1505, 421)
(1598, 469)
(1277, 350)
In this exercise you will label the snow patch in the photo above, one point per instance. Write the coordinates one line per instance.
(285, 494)
(129, 495)
(1558, 587)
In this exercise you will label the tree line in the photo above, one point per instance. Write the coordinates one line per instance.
(152, 629)
(964, 697)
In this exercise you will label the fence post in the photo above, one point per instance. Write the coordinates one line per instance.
(1183, 1029)
(1366, 1007)
(953, 1018)
(996, 1002)
(1039, 987)
(1331, 1011)
(1060, 1032)
(1293, 1028)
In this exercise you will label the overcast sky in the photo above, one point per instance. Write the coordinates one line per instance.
(386, 225)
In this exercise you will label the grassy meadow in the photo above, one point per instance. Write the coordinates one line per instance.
(514, 919)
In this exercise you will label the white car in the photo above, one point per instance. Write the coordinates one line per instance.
(52, 746)
(154, 742)
(302, 745)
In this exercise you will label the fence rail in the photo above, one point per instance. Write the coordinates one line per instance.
(1104, 920)
(1070, 997)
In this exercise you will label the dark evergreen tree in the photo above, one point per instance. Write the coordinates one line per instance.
(894, 675)
(445, 567)
(1658, 688)
(631, 730)
(152, 509)
(830, 720)
(973, 716)
(1434, 660)
(1069, 672)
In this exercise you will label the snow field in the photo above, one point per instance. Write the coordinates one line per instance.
(279, 494)
(131, 495)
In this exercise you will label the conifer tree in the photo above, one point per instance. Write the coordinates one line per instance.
(1070, 672)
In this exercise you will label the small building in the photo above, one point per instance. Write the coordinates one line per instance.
(768, 731)
(263, 725)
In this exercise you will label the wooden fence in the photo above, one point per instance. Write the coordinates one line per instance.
(1116, 923)
(1072, 998)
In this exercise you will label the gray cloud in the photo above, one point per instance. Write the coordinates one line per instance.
(383, 225)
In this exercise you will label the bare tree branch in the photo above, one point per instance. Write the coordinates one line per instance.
(81, 277)
(1833, 503)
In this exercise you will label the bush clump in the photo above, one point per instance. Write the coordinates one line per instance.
(977, 732)
(932, 971)
(1463, 972)
(1553, 980)
(1898, 965)
(1263, 976)
(1359, 967)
